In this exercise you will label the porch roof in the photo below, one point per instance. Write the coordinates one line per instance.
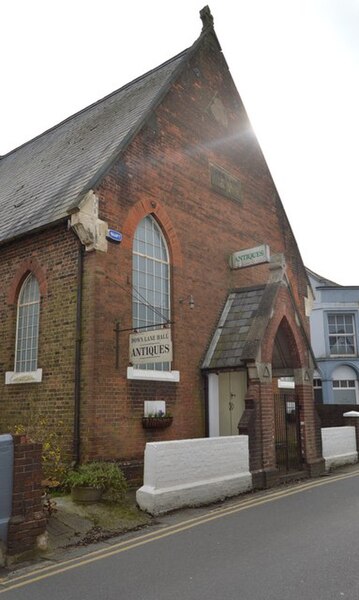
(241, 327)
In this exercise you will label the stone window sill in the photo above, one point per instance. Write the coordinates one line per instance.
(147, 375)
(11, 377)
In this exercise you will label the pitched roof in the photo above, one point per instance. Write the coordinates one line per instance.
(240, 326)
(323, 281)
(46, 177)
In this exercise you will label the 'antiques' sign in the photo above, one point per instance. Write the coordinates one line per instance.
(249, 257)
(150, 347)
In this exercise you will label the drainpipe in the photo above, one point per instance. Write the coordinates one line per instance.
(77, 389)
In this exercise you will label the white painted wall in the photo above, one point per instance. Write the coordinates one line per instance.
(317, 332)
(193, 472)
(339, 446)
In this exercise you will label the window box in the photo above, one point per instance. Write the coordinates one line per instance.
(156, 422)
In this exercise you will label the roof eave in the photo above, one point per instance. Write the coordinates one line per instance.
(35, 230)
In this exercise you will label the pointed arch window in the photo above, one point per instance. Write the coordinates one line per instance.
(27, 326)
(27, 334)
(151, 280)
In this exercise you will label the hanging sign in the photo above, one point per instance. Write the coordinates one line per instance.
(150, 347)
(249, 257)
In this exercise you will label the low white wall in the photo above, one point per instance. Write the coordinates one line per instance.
(193, 472)
(339, 446)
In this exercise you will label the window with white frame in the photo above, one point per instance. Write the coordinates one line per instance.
(341, 334)
(344, 391)
(345, 385)
(151, 281)
(27, 327)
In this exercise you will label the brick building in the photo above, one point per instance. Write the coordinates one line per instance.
(169, 164)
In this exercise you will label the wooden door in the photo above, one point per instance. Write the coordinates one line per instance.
(232, 390)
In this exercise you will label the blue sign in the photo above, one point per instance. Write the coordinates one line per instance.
(114, 236)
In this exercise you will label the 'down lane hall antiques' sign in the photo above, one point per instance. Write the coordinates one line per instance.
(150, 347)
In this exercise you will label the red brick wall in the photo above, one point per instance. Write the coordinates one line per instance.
(166, 172)
(52, 256)
(250, 424)
(28, 520)
(331, 415)
(298, 356)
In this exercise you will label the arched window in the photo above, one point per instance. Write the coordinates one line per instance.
(27, 328)
(151, 280)
(345, 385)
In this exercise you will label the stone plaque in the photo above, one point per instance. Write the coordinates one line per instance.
(225, 184)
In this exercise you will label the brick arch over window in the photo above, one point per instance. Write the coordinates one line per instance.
(26, 267)
(148, 207)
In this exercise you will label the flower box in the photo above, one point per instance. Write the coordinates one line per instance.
(156, 422)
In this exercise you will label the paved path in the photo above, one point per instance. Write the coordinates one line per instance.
(299, 542)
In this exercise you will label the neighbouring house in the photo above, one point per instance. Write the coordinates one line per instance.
(334, 325)
(148, 266)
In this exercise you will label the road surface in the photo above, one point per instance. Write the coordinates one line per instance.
(299, 542)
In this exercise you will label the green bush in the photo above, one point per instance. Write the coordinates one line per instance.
(39, 429)
(101, 475)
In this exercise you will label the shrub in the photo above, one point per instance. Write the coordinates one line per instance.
(38, 429)
(101, 475)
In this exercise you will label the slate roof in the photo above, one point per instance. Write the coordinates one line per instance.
(322, 280)
(41, 181)
(231, 337)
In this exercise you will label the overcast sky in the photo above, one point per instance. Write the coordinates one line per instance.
(295, 64)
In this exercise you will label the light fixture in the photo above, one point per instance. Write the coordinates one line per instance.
(189, 299)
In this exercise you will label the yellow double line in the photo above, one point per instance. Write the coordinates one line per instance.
(216, 513)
